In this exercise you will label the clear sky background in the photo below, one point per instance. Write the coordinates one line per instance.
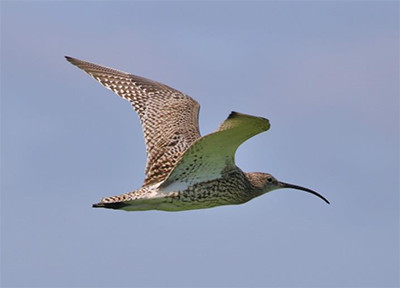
(326, 74)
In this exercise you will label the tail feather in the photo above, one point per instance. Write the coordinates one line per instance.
(115, 205)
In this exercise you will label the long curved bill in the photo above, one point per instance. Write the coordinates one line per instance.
(287, 185)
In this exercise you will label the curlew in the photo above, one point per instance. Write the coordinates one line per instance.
(184, 171)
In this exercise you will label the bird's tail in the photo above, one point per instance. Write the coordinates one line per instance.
(114, 205)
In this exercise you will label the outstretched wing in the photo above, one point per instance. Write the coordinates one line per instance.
(169, 118)
(214, 154)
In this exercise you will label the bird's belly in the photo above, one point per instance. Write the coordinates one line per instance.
(168, 204)
(184, 200)
(191, 204)
(208, 194)
(194, 198)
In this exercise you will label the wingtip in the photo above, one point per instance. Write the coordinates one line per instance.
(68, 58)
(72, 60)
(233, 114)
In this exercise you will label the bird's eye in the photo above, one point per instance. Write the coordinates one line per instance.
(269, 179)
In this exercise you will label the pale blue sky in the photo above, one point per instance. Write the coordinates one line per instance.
(324, 73)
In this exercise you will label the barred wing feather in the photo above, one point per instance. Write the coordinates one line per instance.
(169, 118)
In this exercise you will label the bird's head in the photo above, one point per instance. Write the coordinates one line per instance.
(265, 182)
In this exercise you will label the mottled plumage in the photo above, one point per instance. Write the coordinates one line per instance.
(184, 170)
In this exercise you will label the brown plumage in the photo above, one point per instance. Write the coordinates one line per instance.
(184, 171)
(169, 118)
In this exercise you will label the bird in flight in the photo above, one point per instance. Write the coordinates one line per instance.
(184, 171)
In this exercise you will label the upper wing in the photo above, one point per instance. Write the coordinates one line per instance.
(169, 118)
(211, 155)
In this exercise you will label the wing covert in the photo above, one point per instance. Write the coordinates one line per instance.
(211, 155)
